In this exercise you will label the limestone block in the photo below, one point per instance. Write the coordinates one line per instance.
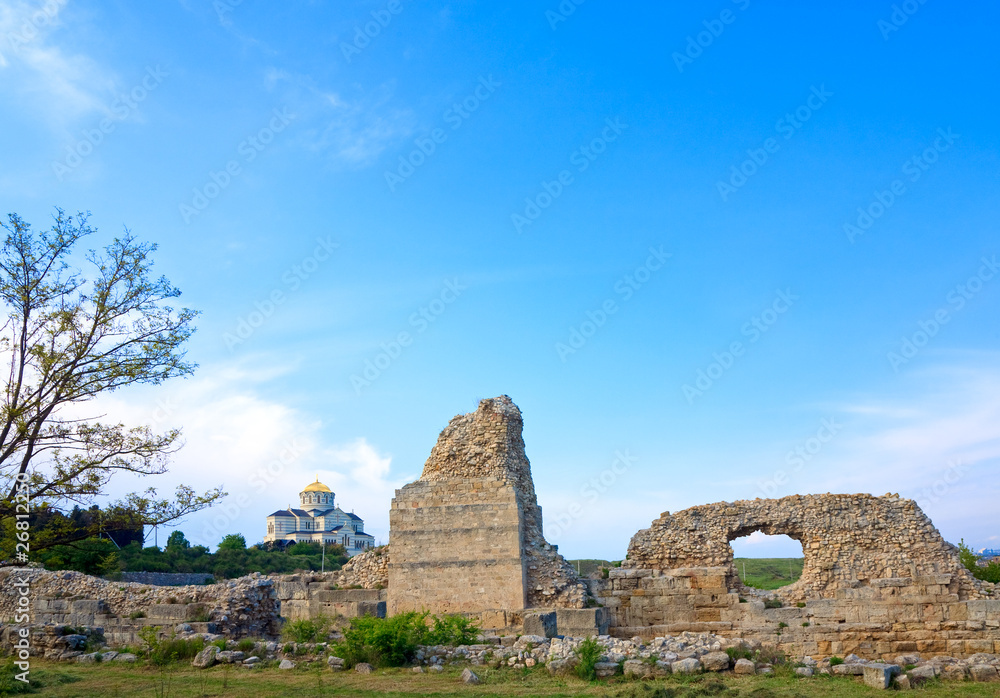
(880, 675)
(983, 672)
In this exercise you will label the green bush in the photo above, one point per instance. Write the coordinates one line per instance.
(175, 650)
(382, 642)
(136, 615)
(452, 630)
(246, 645)
(311, 630)
(588, 653)
(834, 661)
(773, 603)
(388, 642)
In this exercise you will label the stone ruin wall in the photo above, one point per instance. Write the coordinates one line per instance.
(244, 607)
(878, 580)
(467, 536)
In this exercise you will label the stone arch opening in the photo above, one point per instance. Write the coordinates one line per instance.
(778, 536)
(767, 562)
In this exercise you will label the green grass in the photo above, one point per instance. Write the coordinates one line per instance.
(587, 566)
(769, 572)
(183, 681)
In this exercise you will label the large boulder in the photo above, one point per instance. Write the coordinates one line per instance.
(715, 661)
(686, 666)
(205, 658)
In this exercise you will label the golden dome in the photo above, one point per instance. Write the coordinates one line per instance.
(316, 486)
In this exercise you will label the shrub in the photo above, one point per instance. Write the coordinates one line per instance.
(782, 624)
(773, 603)
(306, 630)
(136, 615)
(221, 644)
(805, 624)
(800, 604)
(246, 645)
(452, 630)
(987, 573)
(382, 641)
(834, 661)
(175, 650)
(588, 652)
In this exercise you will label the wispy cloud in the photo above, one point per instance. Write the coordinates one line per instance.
(59, 84)
(352, 130)
(261, 450)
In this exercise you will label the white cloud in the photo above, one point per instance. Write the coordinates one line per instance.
(59, 85)
(262, 452)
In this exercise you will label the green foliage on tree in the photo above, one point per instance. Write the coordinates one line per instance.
(234, 541)
(988, 573)
(68, 339)
(232, 557)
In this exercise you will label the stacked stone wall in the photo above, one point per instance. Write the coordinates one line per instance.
(878, 580)
(479, 457)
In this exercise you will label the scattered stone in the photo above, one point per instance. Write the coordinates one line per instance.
(880, 675)
(468, 676)
(903, 682)
(418, 670)
(744, 666)
(907, 659)
(605, 669)
(125, 657)
(923, 672)
(206, 657)
(637, 668)
(983, 672)
(364, 668)
(686, 666)
(715, 661)
(849, 670)
(806, 671)
(183, 628)
(436, 668)
(286, 664)
(251, 660)
(766, 670)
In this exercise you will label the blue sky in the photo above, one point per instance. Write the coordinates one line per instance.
(686, 241)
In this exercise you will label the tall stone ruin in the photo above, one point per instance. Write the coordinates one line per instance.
(467, 536)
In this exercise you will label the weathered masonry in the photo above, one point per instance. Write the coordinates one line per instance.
(467, 536)
(878, 580)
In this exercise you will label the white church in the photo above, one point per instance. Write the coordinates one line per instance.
(319, 520)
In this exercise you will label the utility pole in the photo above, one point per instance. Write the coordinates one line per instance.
(744, 570)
